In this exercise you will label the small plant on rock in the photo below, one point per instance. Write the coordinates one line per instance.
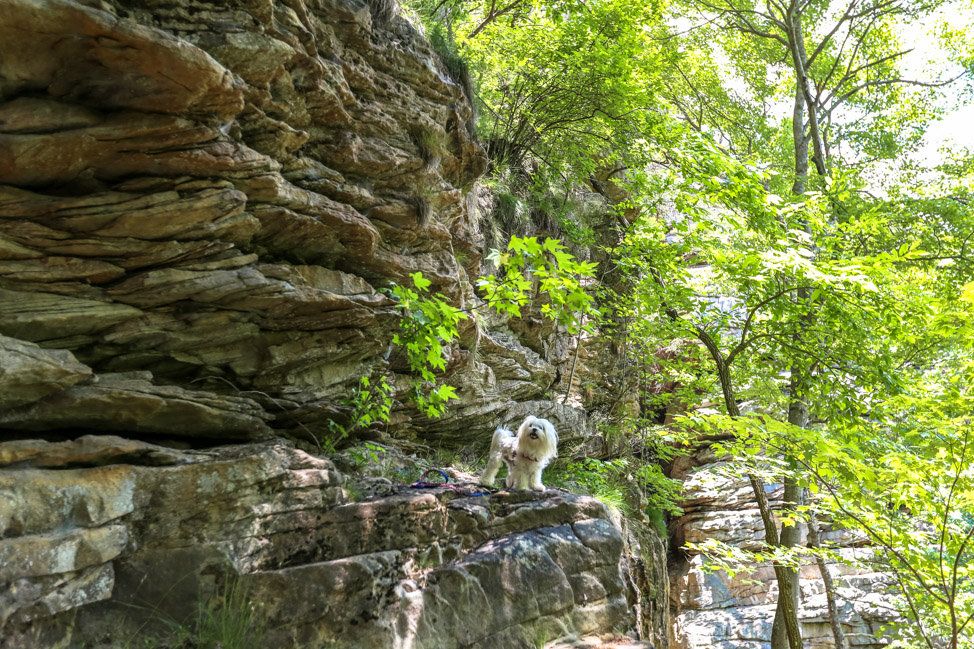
(230, 621)
(428, 326)
(429, 323)
(370, 403)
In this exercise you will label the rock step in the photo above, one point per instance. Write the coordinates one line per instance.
(612, 641)
(563, 579)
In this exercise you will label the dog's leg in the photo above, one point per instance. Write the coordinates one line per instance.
(493, 464)
(535, 478)
(522, 477)
(514, 479)
(495, 458)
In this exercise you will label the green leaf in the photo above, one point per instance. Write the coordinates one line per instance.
(421, 282)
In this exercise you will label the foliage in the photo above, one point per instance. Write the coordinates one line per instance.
(756, 275)
(762, 264)
(427, 327)
(232, 622)
(456, 65)
(840, 66)
(913, 460)
(376, 460)
(625, 484)
(229, 621)
(903, 478)
(530, 267)
(368, 454)
(564, 84)
(370, 403)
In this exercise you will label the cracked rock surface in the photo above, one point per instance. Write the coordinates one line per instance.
(201, 203)
(101, 538)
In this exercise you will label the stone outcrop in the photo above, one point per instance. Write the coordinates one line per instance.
(713, 610)
(103, 539)
(29, 373)
(200, 206)
(215, 194)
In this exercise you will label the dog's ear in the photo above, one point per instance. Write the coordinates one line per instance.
(550, 427)
(551, 439)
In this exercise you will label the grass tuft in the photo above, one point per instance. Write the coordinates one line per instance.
(232, 621)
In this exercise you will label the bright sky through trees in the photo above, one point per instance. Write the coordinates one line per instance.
(928, 60)
(956, 129)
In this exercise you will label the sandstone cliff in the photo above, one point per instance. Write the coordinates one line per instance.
(712, 610)
(199, 204)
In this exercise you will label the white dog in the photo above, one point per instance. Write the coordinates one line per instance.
(526, 454)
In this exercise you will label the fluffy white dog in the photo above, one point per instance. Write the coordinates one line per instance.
(526, 454)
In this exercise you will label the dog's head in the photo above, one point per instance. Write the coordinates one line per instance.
(537, 438)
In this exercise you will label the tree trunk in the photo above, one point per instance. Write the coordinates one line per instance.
(801, 144)
(814, 542)
(799, 57)
(787, 588)
(787, 579)
(786, 632)
(791, 535)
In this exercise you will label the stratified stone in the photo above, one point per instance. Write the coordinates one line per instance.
(60, 552)
(39, 316)
(93, 58)
(35, 501)
(203, 202)
(179, 212)
(556, 571)
(89, 450)
(28, 373)
(118, 402)
(28, 600)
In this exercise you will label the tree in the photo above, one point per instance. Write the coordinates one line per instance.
(852, 64)
(883, 319)
(916, 501)
(841, 65)
(904, 479)
(748, 249)
(564, 84)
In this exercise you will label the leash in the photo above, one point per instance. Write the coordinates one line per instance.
(421, 484)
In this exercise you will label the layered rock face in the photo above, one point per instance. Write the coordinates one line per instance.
(105, 539)
(712, 610)
(212, 194)
(199, 204)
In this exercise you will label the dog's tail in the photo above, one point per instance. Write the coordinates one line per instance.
(500, 434)
(494, 459)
